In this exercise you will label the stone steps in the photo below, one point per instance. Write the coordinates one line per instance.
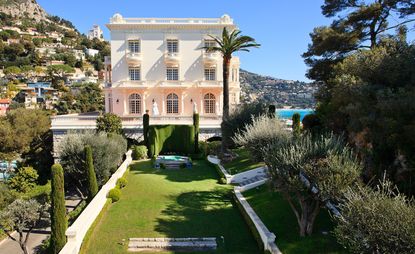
(253, 180)
(186, 244)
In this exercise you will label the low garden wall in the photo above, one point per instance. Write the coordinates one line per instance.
(261, 232)
(77, 231)
(237, 178)
(222, 171)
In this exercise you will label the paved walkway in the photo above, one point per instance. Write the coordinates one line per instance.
(9, 246)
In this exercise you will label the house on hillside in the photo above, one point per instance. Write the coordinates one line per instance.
(95, 32)
(39, 93)
(4, 106)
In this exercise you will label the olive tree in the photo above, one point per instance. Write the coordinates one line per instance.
(22, 216)
(260, 132)
(379, 220)
(107, 154)
(309, 172)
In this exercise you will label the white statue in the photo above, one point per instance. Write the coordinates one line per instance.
(155, 109)
(194, 107)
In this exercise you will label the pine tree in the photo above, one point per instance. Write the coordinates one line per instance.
(58, 211)
(196, 125)
(92, 178)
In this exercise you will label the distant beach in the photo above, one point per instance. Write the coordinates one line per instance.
(288, 113)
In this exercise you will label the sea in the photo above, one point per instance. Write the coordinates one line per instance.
(288, 113)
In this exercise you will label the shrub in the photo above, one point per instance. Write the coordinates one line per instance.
(146, 124)
(58, 212)
(240, 117)
(114, 194)
(109, 123)
(121, 182)
(196, 125)
(24, 180)
(260, 133)
(296, 124)
(212, 148)
(162, 166)
(139, 152)
(222, 178)
(376, 221)
(107, 154)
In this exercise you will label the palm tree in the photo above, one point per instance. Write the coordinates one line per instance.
(227, 45)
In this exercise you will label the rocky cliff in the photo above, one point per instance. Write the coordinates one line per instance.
(28, 8)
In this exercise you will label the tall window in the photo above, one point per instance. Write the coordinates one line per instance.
(134, 73)
(210, 74)
(134, 46)
(172, 73)
(172, 104)
(210, 43)
(134, 102)
(172, 46)
(110, 102)
(209, 103)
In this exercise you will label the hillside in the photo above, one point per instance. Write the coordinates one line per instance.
(277, 91)
(29, 8)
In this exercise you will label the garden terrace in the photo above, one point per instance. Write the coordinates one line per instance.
(159, 203)
(278, 217)
(243, 162)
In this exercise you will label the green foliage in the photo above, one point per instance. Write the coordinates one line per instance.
(146, 124)
(312, 123)
(6, 196)
(370, 98)
(91, 176)
(109, 123)
(58, 212)
(299, 164)
(22, 216)
(114, 194)
(171, 138)
(271, 111)
(89, 98)
(196, 125)
(72, 215)
(376, 221)
(357, 25)
(107, 153)
(121, 182)
(240, 118)
(210, 148)
(139, 152)
(261, 132)
(21, 130)
(296, 124)
(24, 180)
(58, 72)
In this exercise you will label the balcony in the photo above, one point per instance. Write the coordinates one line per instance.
(134, 59)
(210, 58)
(210, 83)
(172, 58)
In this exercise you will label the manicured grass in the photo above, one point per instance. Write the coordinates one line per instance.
(277, 215)
(171, 203)
(242, 163)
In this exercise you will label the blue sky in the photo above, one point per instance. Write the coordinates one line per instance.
(282, 27)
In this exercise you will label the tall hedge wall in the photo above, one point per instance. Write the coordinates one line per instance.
(178, 139)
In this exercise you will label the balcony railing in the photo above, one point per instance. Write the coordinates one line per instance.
(210, 57)
(172, 57)
(133, 59)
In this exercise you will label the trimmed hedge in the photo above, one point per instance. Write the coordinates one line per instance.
(114, 194)
(171, 139)
(121, 182)
(139, 152)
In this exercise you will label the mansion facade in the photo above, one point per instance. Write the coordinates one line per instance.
(158, 64)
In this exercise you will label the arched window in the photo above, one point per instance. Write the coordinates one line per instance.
(209, 103)
(134, 102)
(172, 104)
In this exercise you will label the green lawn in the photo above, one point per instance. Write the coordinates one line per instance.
(241, 163)
(277, 215)
(171, 203)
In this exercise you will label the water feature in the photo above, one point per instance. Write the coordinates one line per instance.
(172, 161)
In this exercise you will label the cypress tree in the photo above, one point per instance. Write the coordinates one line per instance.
(146, 124)
(296, 124)
(196, 125)
(58, 211)
(271, 111)
(92, 178)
